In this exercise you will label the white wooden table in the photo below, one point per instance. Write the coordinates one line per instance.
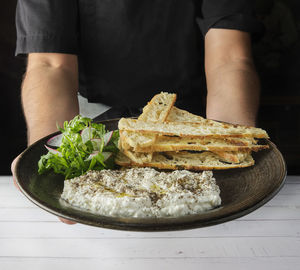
(31, 238)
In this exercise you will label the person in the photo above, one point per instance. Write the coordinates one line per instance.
(122, 52)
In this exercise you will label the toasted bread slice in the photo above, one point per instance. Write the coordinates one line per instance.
(185, 160)
(166, 143)
(179, 115)
(139, 158)
(146, 157)
(133, 139)
(190, 130)
(134, 156)
(158, 109)
(143, 143)
(233, 157)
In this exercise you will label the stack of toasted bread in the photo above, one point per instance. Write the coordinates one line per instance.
(166, 137)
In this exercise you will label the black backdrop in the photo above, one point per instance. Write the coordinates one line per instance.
(278, 65)
(13, 133)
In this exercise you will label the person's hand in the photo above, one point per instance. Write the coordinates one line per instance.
(13, 166)
(67, 221)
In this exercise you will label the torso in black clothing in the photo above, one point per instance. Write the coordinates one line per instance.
(128, 50)
(133, 49)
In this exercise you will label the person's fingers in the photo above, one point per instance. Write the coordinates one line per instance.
(66, 221)
(15, 183)
(12, 167)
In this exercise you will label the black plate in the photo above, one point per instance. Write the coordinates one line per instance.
(242, 191)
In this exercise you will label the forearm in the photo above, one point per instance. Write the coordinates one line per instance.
(233, 93)
(49, 97)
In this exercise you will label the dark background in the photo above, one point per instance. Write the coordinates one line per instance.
(277, 57)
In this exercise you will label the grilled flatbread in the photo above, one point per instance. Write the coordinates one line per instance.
(185, 160)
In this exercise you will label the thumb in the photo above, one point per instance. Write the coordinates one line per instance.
(13, 167)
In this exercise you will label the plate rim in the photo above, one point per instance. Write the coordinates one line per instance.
(148, 227)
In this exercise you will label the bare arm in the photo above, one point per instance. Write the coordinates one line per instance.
(232, 82)
(49, 92)
(49, 95)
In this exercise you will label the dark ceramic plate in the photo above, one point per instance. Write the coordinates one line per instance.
(242, 191)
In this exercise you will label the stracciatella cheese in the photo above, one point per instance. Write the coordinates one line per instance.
(143, 192)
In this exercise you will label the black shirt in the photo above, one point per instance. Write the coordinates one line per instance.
(128, 50)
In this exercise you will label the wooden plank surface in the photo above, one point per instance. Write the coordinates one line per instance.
(259, 263)
(31, 238)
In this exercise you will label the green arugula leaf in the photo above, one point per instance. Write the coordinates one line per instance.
(74, 156)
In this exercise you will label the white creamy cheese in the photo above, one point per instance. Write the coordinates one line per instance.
(143, 192)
